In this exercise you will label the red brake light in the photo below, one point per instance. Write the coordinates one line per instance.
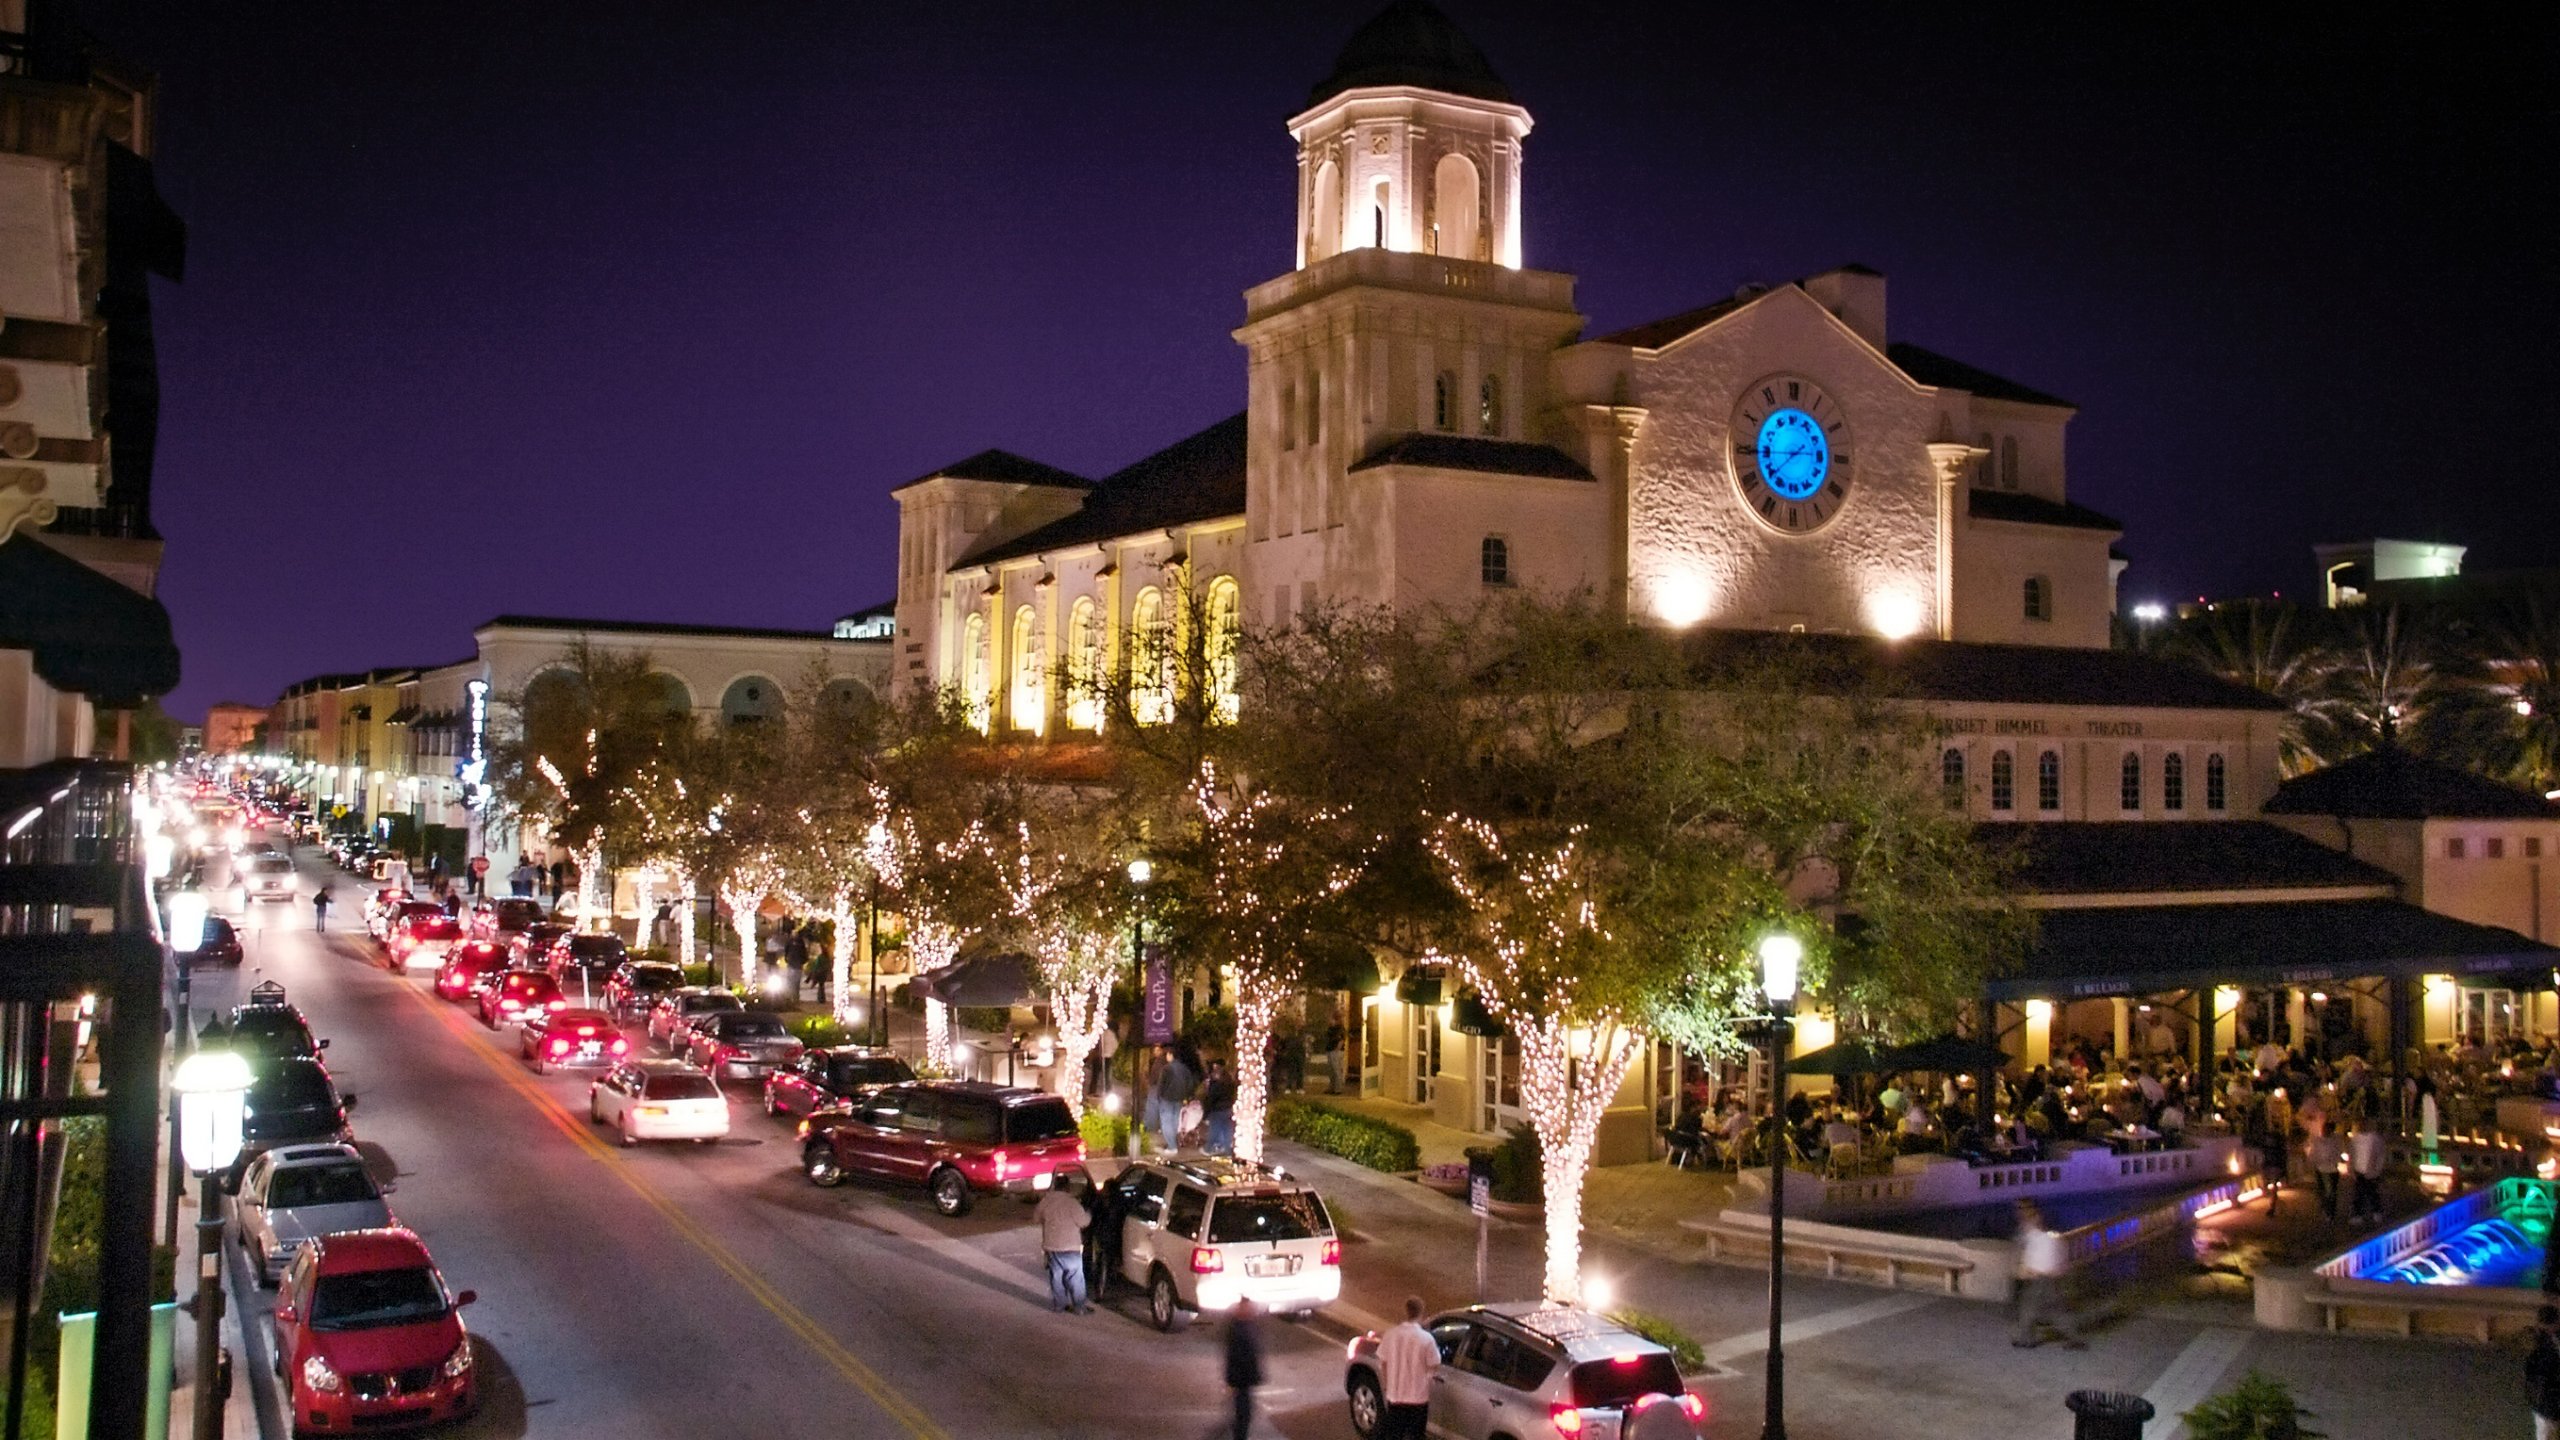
(559, 1047)
(586, 1029)
(1205, 1261)
(621, 1047)
(1332, 1252)
(1079, 1150)
(1693, 1407)
(1568, 1420)
(1004, 1165)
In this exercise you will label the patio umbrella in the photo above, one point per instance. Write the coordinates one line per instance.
(1948, 1054)
(1001, 978)
(1846, 1057)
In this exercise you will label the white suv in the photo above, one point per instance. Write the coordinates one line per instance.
(266, 877)
(1521, 1369)
(1201, 1232)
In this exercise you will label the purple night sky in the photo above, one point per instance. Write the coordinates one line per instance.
(639, 310)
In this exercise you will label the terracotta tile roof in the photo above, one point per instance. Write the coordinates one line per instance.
(2024, 509)
(2392, 784)
(1467, 452)
(1200, 477)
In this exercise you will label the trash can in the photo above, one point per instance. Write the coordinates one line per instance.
(2107, 1415)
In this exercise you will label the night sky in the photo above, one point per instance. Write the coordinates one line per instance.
(638, 310)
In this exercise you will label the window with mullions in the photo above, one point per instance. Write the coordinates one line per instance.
(2173, 782)
(2129, 792)
(2049, 781)
(2004, 782)
(2216, 786)
(1496, 557)
(1951, 777)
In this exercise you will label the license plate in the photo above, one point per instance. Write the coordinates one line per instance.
(1264, 1267)
(591, 1050)
(1041, 1180)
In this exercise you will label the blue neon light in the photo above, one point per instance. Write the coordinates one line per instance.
(1795, 456)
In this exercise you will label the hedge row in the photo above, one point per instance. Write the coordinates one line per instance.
(1361, 1139)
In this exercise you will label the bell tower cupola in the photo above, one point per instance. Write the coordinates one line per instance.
(1411, 144)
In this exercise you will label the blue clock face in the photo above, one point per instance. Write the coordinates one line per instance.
(1795, 456)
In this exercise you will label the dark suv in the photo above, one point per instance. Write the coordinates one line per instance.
(958, 1139)
(586, 961)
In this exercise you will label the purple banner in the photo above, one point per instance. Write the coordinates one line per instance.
(1158, 1001)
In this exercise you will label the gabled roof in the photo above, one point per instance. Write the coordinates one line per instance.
(1005, 468)
(89, 635)
(2133, 857)
(1200, 477)
(2392, 784)
(1412, 43)
(1968, 671)
(1467, 452)
(1931, 368)
(2021, 508)
(1655, 334)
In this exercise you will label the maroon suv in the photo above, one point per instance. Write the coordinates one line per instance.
(958, 1139)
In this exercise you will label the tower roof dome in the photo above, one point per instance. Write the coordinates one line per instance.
(1412, 43)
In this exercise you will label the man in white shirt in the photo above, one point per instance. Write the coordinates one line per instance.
(2041, 1305)
(1407, 1358)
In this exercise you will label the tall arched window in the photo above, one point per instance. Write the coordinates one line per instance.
(1222, 620)
(1084, 666)
(749, 700)
(1453, 207)
(977, 687)
(2173, 781)
(1378, 216)
(2039, 598)
(1444, 402)
(1028, 702)
(2004, 782)
(1489, 406)
(1951, 777)
(2216, 786)
(1151, 658)
(2049, 781)
(678, 696)
(2009, 462)
(1325, 240)
(2129, 789)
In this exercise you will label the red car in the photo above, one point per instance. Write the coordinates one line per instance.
(517, 994)
(957, 1138)
(837, 1076)
(465, 964)
(571, 1037)
(368, 1338)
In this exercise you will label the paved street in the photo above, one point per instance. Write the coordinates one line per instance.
(686, 1291)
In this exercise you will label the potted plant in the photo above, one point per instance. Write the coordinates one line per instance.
(2260, 1407)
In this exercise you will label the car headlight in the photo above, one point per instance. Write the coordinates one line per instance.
(320, 1375)
(458, 1364)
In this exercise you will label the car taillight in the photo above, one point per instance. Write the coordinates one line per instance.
(559, 1047)
(1079, 1150)
(1693, 1407)
(1568, 1420)
(1205, 1261)
(1004, 1165)
(586, 1029)
(557, 1005)
(1332, 1253)
(510, 1003)
(621, 1047)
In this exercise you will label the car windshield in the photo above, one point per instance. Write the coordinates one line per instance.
(885, 1070)
(1297, 1215)
(1039, 1120)
(682, 1087)
(368, 1298)
(595, 946)
(275, 865)
(1625, 1379)
(702, 1004)
(753, 1027)
(655, 977)
(345, 1184)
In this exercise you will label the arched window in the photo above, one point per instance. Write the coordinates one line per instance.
(1497, 560)
(2009, 462)
(2173, 781)
(1151, 658)
(1084, 666)
(2129, 790)
(1444, 402)
(1453, 207)
(2216, 795)
(2049, 781)
(1222, 621)
(749, 700)
(1489, 406)
(2039, 598)
(1982, 468)
(1325, 240)
(977, 691)
(2004, 782)
(1378, 216)
(676, 695)
(1028, 703)
(1951, 777)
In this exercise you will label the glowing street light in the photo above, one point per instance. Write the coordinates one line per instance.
(1781, 961)
(211, 1093)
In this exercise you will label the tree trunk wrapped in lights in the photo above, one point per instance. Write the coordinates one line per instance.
(644, 891)
(840, 987)
(931, 945)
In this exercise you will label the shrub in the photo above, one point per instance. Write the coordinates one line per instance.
(986, 1019)
(1361, 1139)
(1519, 1173)
(1104, 1133)
(1686, 1352)
(2260, 1407)
(699, 975)
(1211, 1031)
(819, 1031)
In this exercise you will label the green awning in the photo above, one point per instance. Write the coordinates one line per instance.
(89, 635)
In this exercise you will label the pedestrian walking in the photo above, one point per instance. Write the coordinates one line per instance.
(479, 868)
(2323, 1153)
(2542, 1374)
(662, 924)
(1063, 1220)
(1244, 1363)
(2365, 1160)
(1218, 1109)
(2041, 1304)
(320, 909)
(1407, 1359)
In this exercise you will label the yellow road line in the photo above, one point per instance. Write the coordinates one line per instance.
(869, 1381)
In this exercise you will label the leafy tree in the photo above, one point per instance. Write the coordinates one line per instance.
(2270, 647)
(570, 748)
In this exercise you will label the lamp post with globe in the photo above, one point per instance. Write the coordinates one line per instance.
(209, 1091)
(1781, 956)
(1141, 871)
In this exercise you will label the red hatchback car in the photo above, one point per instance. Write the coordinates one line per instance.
(516, 994)
(463, 966)
(368, 1338)
(957, 1138)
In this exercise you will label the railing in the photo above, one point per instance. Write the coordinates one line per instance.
(112, 522)
(2125, 1232)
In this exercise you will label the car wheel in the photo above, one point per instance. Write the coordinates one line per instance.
(628, 1139)
(818, 1162)
(595, 1111)
(950, 1192)
(267, 1277)
(1163, 1306)
(1368, 1407)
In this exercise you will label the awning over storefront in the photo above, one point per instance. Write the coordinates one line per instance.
(90, 635)
(2144, 949)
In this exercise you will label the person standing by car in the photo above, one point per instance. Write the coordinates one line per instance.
(1407, 1359)
(1218, 1110)
(1174, 1085)
(1244, 1363)
(320, 909)
(1063, 1221)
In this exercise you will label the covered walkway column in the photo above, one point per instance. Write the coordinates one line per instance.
(2295, 1016)
(2124, 1027)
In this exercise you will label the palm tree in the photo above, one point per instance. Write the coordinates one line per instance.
(2264, 646)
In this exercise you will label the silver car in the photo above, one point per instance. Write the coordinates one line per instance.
(292, 1196)
(1536, 1369)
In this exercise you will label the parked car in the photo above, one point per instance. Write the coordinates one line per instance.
(658, 1100)
(421, 941)
(531, 946)
(838, 1076)
(741, 1044)
(515, 914)
(266, 1028)
(583, 963)
(265, 877)
(1202, 1232)
(368, 1337)
(550, 1038)
(291, 1101)
(675, 1014)
(958, 1139)
(1529, 1363)
(293, 1196)
(638, 984)
(381, 905)
(514, 994)
(221, 945)
(464, 965)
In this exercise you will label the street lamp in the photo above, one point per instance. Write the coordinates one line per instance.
(1781, 956)
(1141, 870)
(210, 1090)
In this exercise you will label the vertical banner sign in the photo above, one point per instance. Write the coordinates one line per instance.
(474, 769)
(1159, 998)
